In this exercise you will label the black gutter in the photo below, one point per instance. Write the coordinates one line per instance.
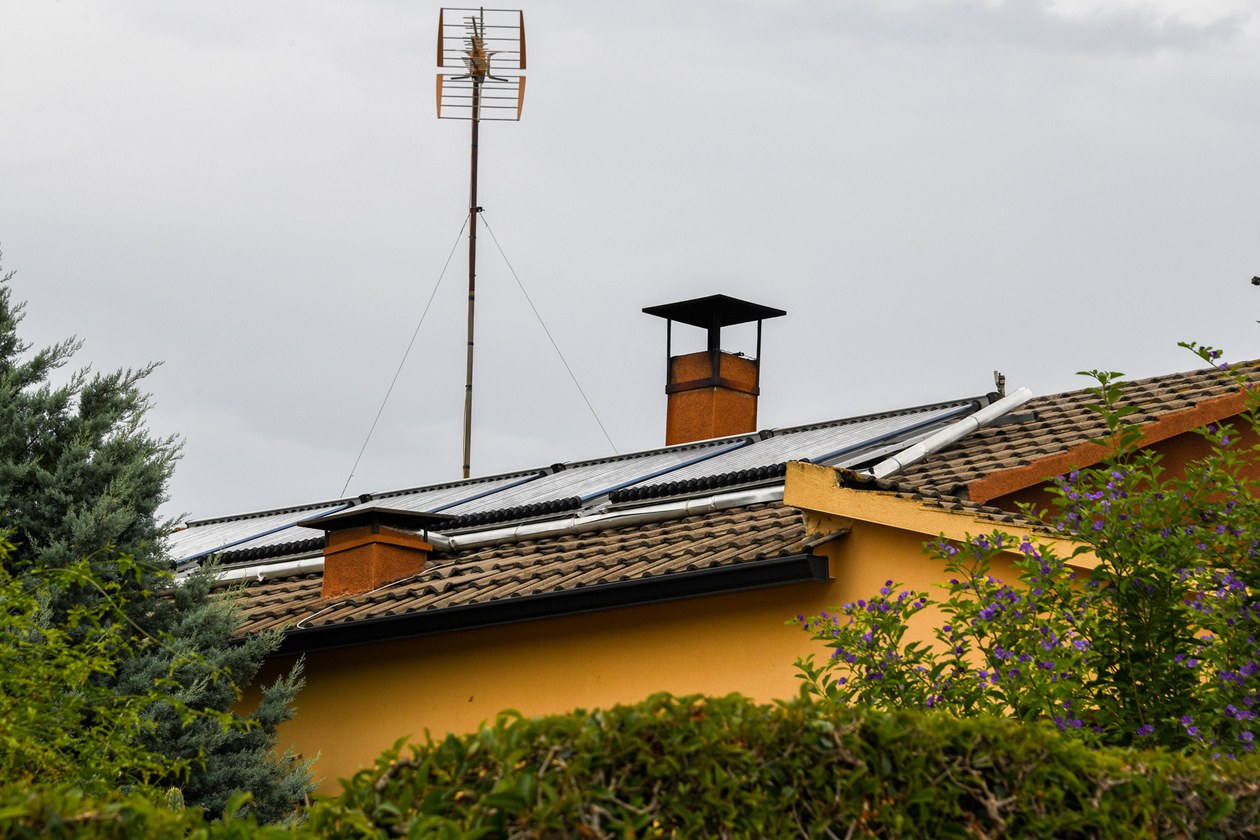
(757, 574)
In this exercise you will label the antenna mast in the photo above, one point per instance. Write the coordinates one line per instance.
(476, 94)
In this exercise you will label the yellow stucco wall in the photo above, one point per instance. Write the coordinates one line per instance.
(359, 700)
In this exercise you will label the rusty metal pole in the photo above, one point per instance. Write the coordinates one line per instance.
(473, 210)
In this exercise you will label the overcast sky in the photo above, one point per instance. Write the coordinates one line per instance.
(259, 195)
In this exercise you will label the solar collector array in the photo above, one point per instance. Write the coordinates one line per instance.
(840, 443)
(812, 442)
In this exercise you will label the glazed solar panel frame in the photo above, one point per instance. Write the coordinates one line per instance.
(588, 480)
(806, 443)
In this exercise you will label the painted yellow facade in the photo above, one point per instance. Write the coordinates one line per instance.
(359, 700)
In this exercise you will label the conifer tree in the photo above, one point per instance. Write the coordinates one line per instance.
(81, 476)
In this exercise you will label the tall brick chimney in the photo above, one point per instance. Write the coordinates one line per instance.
(368, 547)
(712, 393)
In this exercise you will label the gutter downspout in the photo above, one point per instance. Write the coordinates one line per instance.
(950, 434)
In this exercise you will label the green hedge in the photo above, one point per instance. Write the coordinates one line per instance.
(701, 767)
(62, 812)
(697, 767)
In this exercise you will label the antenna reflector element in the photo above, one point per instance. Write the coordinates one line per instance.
(481, 61)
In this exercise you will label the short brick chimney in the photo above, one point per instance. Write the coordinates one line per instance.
(368, 547)
(712, 393)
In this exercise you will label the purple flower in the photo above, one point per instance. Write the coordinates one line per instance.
(1145, 730)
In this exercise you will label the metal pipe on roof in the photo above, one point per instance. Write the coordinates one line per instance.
(611, 519)
(539, 530)
(261, 573)
(915, 454)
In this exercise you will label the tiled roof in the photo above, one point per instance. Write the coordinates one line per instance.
(929, 497)
(1054, 425)
(739, 547)
(496, 575)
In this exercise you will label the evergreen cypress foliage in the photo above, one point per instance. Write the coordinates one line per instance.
(82, 477)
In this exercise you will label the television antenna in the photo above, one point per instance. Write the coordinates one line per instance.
(488, 45)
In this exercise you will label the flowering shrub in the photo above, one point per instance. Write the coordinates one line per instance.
(1155, 645)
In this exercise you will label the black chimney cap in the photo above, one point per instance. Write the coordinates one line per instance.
(714, 311)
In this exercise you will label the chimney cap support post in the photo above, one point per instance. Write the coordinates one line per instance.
(711, 314)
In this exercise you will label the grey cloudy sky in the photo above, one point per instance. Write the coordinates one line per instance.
(258, 194)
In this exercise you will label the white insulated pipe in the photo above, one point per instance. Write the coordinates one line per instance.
(575, 524)
(951, 433)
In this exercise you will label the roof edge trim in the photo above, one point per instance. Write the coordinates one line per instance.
(997, 484)
(821, 490)
(756, 574)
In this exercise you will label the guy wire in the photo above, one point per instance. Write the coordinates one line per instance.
(563, 361)
(406, 352)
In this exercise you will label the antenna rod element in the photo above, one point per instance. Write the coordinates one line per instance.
(473, 210)
(460, 96)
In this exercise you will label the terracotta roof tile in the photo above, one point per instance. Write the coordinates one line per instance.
(522, 569)
(1061, 422)
(1046, 431)
(932, 498)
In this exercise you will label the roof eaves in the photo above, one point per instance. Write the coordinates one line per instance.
(1087, 453)
(861, 497)
(756, 574)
